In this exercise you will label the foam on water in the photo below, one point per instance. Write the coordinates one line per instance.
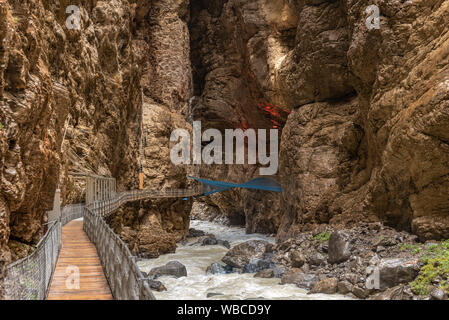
(236, 286)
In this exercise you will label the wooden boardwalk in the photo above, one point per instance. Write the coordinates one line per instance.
(78, 251)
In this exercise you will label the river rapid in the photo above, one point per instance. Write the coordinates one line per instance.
(234, 286)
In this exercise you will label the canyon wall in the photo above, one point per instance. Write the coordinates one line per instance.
(161, 43)
(82, 100)
(70, 100)
(366, 134)
(367, 138)
(362, 112)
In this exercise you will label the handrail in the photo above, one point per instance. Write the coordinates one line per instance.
(29, 278)
(124, 277)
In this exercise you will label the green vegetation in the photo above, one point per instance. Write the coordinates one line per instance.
(1, 125)
(323, 236)
(435, 270)
(416, 248)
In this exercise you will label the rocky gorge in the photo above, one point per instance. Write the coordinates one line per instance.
(363, 116)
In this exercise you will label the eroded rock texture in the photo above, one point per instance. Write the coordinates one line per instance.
(161, 43)
(370, 140)
(74, 100)
(363, 112)
(366, 138)
(234, 48)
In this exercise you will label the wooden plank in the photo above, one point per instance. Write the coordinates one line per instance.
(78, 251)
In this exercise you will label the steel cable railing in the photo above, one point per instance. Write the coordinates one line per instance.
(29, 278)
(124, 277)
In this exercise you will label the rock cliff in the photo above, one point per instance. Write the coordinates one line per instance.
(365, 138)
(363, 111)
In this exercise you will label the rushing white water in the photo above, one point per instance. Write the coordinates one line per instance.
(233, 286)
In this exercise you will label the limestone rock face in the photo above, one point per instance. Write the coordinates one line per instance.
(379, 149)
(162, 47)
(69, 100)
(365, 138)
(83, 100)
(234, 47)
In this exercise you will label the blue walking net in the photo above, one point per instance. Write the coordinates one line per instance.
(265, 184)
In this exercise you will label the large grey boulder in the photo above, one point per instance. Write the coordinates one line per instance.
(172, 268)
(394, 271)
(438, 294)
(339, 248)
(300, 279)
(242, 253)
(218, 268)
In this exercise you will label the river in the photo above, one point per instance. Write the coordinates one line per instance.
(197, 285)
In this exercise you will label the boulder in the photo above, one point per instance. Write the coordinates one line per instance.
(194, 233)
(213, 294)
(242, 253)
(316, 259)
(218, 268)
(172, 268)
(394, 271)
(278, 272)
(396, 293)
(256, 265)
(212, 241)
(438, 294)
(301, 280)
(224, 243)
(359, 292)
(156, 285)
(339, 250)
(344, 287)
(297, 259)
(267, 273)
(328, 286)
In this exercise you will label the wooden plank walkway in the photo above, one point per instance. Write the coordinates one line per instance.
(78, 251)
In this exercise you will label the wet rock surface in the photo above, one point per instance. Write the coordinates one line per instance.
(240, 255)
(301, 279)
(395, 271)
(172, 268)
(362, 113)
(218, 268)
(156, 285)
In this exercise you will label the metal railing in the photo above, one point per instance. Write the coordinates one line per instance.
(110, 206)
(71, 212)
(124, 277)
(29, 278)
